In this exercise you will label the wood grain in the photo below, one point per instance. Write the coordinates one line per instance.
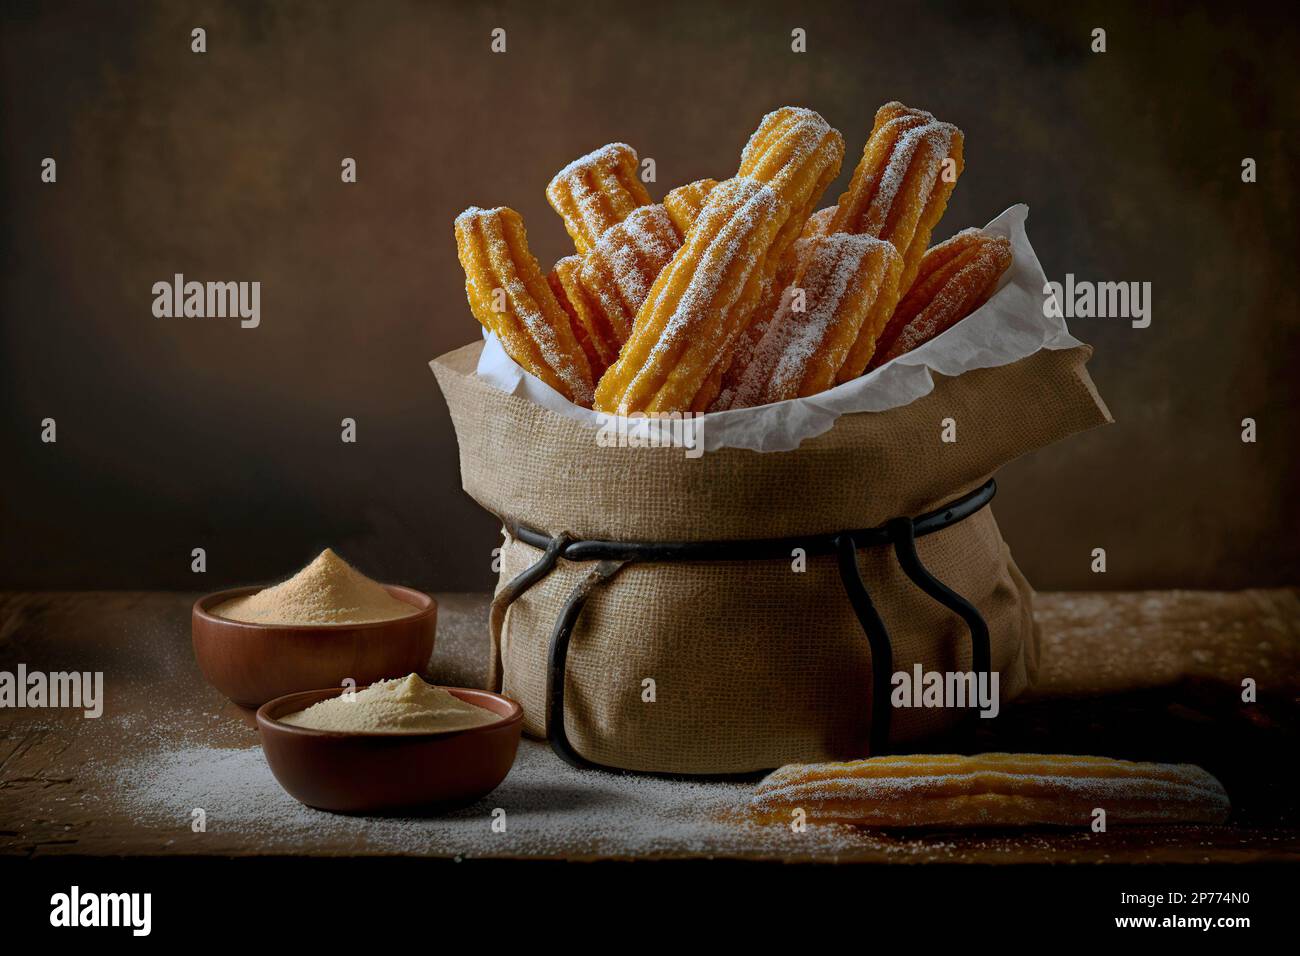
(1148, 675)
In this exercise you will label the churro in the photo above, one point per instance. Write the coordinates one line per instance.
(619, 271)
(954, 279)
(597, 191)
(991, 790)
(819, 223)
(685, 202)
(509, 295)
(817, 226)
(846, 289)
(592, 329)
(797, 153)
(901, 185)
(746, 344)
(697, 304)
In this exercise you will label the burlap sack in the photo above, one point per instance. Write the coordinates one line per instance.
(755, 665)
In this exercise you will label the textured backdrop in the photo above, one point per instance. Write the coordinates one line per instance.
(183, 433)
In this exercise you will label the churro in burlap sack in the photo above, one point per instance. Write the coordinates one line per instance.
(753, 664)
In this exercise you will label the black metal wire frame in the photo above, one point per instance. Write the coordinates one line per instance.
(613, 556)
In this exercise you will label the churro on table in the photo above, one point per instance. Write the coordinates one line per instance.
(990, 790)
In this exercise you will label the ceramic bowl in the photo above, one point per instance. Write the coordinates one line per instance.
(387, 773)
(254, 663)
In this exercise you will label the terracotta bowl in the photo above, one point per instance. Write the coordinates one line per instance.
(253, 663)
(384, 773)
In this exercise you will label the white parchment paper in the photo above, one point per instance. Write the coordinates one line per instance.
(1007, 328)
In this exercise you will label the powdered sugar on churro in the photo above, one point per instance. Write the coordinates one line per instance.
(797, 153)
(608, 156)
(925, 147)
(966, 270)
(840, 278)
(834, 265)
(596, 191)
(505, 267)
(792, 133)
(718, 273)
(627, 259)
(706, 294)
(700, 288)
(992, 789)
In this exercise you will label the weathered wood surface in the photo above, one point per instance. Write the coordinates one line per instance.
(1150, 675)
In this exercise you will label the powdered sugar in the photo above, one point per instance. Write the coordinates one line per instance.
(551, 810)
(726, 261)
(608, 156)
(624, 264)
(926, 146)
(833, 270)
(596, 191)
(509, 266)
(694, 304)
(993, 789)
(793, 133)
(797, 153)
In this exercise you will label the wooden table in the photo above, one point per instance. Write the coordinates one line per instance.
(1151, 675)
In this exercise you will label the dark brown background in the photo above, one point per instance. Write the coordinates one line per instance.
(182, 433)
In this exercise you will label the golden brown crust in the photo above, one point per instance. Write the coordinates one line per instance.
(597, 191)
(696, 304)
(846, 287)
(901, 186)
(685, 202)
(990, 790)
(666, 305)
(590, 326)
(954, 279)
(509, 295)
(797, 153)
(620, 270)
